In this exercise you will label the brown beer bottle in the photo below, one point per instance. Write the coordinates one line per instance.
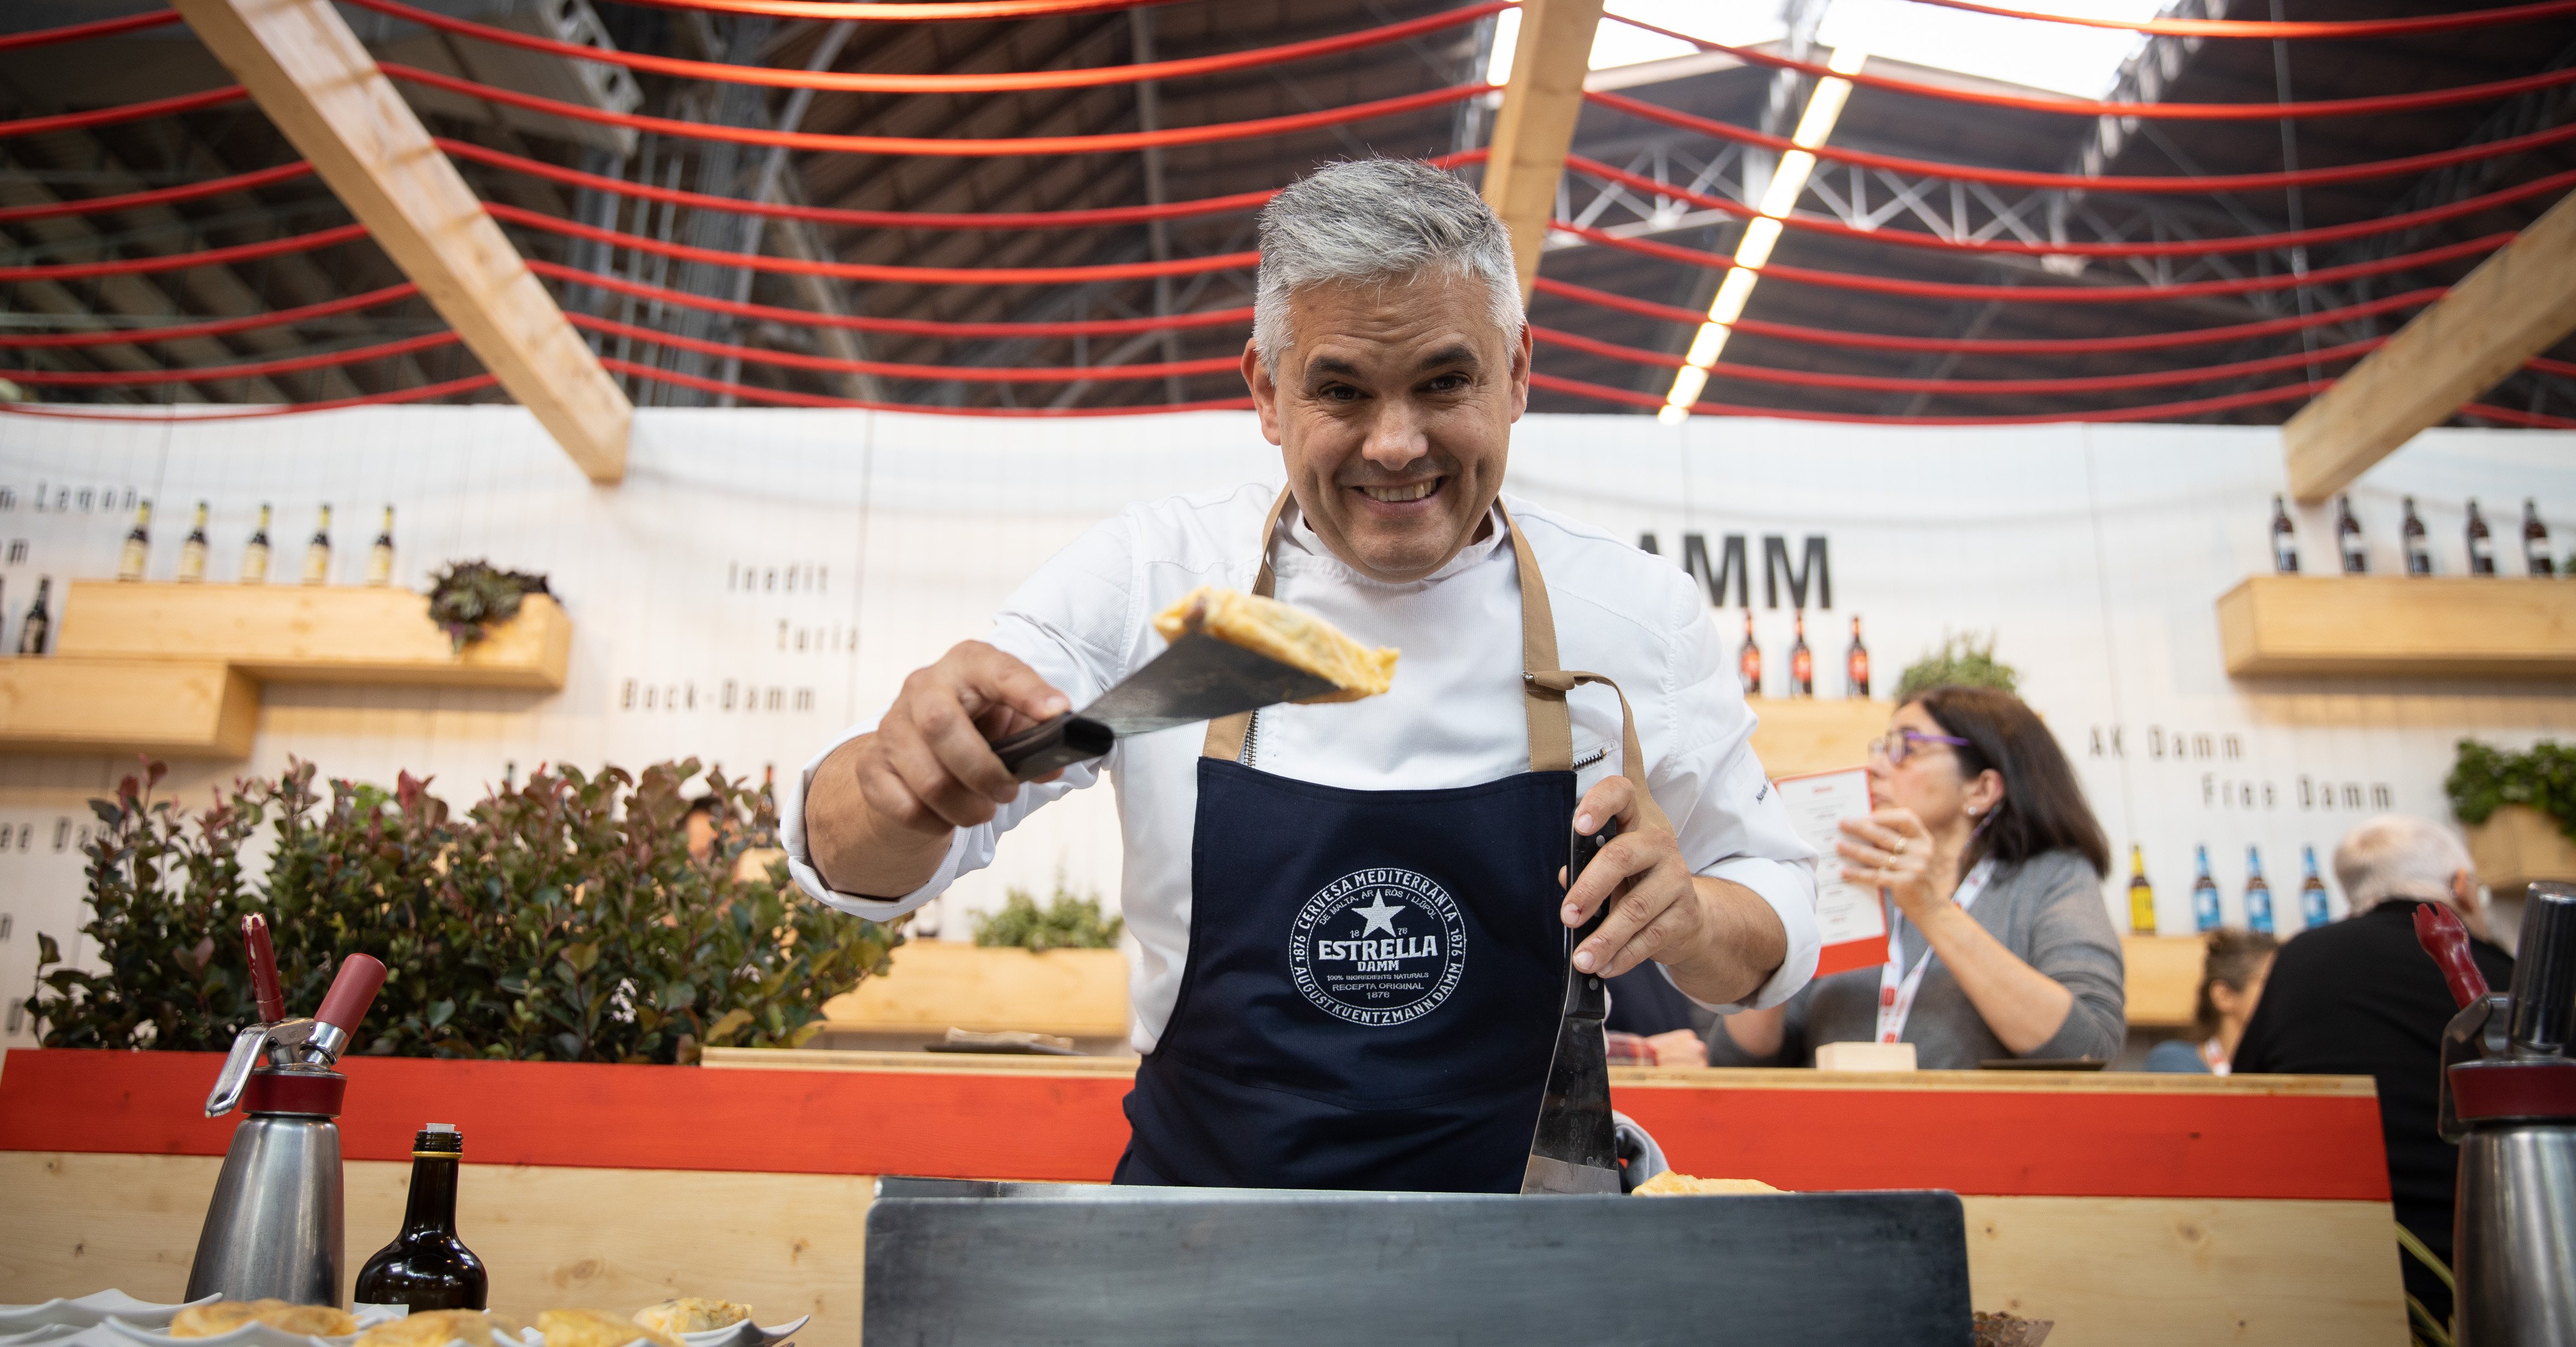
(1856, 666)
(1802, 662)
(1748, 661)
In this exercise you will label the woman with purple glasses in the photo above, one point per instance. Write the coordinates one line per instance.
(1991, 864)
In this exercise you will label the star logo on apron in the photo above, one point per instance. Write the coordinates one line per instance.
(1378, 947)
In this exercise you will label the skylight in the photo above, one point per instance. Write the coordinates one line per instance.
(2060, 58)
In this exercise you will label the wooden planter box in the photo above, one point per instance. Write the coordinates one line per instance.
(2517, 845)
(938, 985)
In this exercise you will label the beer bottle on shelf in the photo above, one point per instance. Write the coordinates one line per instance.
(2312, 893)
(2204, 893)
(38, 628)
(2481, 544)
(2285, 542)
(1748, 661)
(1856, 666)
(2258, 895)
(2142, 895)
(2419, 554)
(2535, 541)
(380, 558)
(427, 1267)
(2356, 560)
(1802, 662)
(138, 544)
(192, 553)
(317, 553)
(255, 556)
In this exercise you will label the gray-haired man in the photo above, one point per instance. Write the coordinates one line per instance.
(1350, 916)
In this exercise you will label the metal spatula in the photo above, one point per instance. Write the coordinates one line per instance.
(1576, 1148)
(1199, 678)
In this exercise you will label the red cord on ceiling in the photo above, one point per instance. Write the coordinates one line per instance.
(962, 146)
(1873, 383)
(2037, 294)
(130, 336)
(2164, 411)
(159, 196)
(2530, 420)
(864, 271)
(2013, 177)
(784, 398)
(136, 266)
(1005, 82)
(258, 369)
(129, 112)
(82, 32)
(911, 327)
(1871, 341)
(982, 374)
(2234, 243)
(2372, 105)
(2258, 28)
(931, 11)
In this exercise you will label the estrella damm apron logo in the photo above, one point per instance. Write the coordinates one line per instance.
(1378, 947)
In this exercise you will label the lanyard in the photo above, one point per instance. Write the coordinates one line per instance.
(1895, 995)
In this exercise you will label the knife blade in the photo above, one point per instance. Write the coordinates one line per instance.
(1575, 1148)
(1200, 677)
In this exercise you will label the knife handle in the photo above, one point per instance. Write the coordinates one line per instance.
(1052, 745)
(1584, 994)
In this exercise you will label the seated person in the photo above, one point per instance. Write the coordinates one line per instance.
(1652, 1024)
(2231, 981)
(1999, 942)
(2360, 997)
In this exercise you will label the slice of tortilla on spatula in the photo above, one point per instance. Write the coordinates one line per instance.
(1229, 652)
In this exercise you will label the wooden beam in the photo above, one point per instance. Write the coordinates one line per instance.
(1536, 122)
(2517, 304)
(310, 75)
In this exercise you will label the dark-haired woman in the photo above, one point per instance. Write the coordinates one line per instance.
(2231, 983)
(1999, 942)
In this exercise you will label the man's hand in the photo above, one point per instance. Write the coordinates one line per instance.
(1718, 939)
(882, 806)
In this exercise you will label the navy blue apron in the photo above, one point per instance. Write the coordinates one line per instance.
(1371, 995)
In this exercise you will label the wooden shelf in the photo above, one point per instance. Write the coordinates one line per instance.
(2377, 625)
(2163, 974)
(312, 634)
(167, 708)
(1795, 737)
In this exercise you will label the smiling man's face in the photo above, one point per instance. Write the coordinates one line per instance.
(1393, 407)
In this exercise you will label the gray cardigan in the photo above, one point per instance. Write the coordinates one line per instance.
(2048, 910)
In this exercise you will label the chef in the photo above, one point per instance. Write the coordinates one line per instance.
(1351, 917)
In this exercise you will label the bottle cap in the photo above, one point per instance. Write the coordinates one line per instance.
(438, 1139)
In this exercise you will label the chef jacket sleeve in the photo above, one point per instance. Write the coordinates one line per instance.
(1071, 622)
(1730, 821)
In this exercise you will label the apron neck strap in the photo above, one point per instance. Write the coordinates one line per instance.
(1543, 684)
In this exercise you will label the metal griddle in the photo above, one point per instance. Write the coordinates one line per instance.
(955, 1262)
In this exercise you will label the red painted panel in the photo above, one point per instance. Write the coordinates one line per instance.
(1070, 1127)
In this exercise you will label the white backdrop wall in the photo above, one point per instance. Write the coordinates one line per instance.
(763, 578)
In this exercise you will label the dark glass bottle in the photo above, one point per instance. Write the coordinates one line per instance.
(427, 1267)
(2481, 543)
(2419, 554)
(1802, 662)
(2285, 542)
(2535, 541)
(2356, 558)
(38, 629)
(1748, 661)
(1856, 666)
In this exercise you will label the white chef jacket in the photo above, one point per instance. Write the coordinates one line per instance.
(1453, 718)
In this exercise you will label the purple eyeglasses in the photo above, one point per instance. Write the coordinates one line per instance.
(1897, 747)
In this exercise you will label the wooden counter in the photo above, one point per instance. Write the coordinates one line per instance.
(2129, 1208)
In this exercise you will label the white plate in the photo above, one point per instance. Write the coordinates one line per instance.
(745, 1334)
(252, 1334)
(90, 1311)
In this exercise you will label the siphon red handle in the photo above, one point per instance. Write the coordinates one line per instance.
(2438, 930)
(353, 989)
(263, 970)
